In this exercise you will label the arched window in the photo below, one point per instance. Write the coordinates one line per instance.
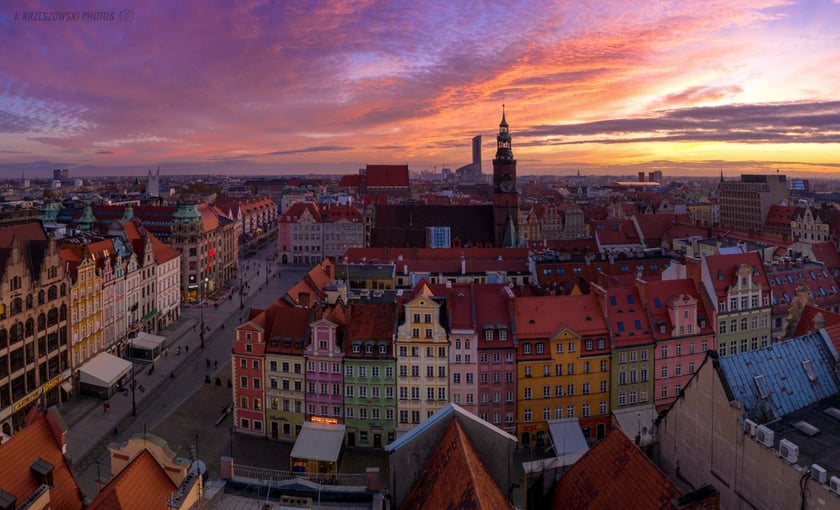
(16, 332)
(52, 317)
(63, 290)
(29, 301)
(42, 296)
(63, 315)
(52, 293)
(4, 338)
(42, 322)
(30, 327)
(16, 306)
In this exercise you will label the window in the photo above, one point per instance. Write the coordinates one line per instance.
(586, 388)
(601, 344)
(622, 399)
(588, 345)
(570, 390)
(527, 393)
(664, 351)
(602, 386)
(540, 348)
(664, 372)
(526, 349)
(604, 365)
(571, 347)
(527, 416)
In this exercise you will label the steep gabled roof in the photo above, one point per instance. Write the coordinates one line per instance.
(371, 322)
(390, 176)
(723, 270)
(808, 323)
(142, 484)
(614, 474)
(454, 476)
(38, 441)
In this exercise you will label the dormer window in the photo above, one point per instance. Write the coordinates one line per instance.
(356, 349)
(43, 471)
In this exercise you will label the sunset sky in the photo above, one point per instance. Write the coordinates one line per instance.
(292, 87)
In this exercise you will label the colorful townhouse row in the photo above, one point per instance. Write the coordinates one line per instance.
(380, 366)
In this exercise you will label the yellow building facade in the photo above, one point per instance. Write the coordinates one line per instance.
(422, 357)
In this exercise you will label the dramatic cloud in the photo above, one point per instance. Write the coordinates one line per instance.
(342, 84)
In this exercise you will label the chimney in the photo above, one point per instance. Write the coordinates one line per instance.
(819, 321)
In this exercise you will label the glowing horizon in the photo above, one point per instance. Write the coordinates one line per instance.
(605, 87)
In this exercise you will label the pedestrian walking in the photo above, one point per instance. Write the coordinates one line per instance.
(106, 406)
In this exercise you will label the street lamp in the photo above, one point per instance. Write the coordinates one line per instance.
(201, 304)
(133, 381)
(241, 291)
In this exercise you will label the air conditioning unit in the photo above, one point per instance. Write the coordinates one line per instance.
(834, 485)
(788, 450)
(764, 436)
(818, 473)
(750, 427)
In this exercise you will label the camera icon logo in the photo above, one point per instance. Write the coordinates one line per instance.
(126, 15)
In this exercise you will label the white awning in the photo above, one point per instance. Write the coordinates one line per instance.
(319, 441)
(566, 436)
(104, 370)
(146, 341)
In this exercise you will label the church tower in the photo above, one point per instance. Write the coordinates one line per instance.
(505, 196)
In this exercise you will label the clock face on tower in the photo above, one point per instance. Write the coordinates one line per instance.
(506, 186)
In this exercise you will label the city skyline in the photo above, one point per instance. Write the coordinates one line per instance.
(602, 87)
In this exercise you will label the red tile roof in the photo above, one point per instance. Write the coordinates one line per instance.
(143, 484)
(806, 320)
(826, 253)
(662, 292)
(627, 319)
(370, 321)
(38, 440)
(390, 176)
(614, 474)
(454, 476)
(723, 270)
(540, 317)
(350, 181)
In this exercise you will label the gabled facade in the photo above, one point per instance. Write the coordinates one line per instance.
(682, 331)
(493, 304)
(247, 364)
(422, 347)
(370, 411)
(739, 293)
(34, 318)
(463, 352)
(325, 374)
(285, 368)
(632, 346)
(85, 304)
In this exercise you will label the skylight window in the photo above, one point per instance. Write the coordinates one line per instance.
(657, 303)
(638, 324)
(761, 385)
(630, 299)
(621, 325)
(808, 366)
(613, 301)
